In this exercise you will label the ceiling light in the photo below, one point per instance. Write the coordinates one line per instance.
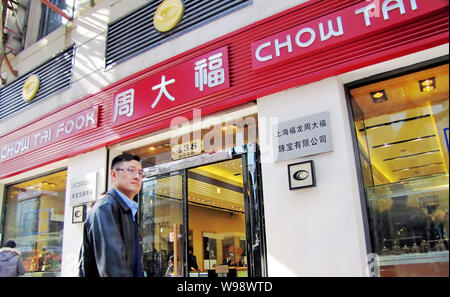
(378, 96)
(218, 191)
(152, 148)
(427, 85)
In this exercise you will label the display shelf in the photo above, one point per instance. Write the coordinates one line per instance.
(417, 258)
(413, 186)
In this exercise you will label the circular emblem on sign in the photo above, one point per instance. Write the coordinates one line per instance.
(168, 15)
(30, 87)
(78, 214)
(301, 175)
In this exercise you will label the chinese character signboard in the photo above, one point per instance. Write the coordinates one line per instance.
(191, 80)
(83, 189)
(303, 137)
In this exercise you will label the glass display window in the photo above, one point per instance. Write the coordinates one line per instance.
(34, 220)
(401, 128)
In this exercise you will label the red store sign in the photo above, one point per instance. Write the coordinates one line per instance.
(343, 26)
(68, 127)
(319, 39)
(178, 85)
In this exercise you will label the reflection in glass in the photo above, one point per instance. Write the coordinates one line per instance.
(34, 220)
(403, 150)
(217, 218)
(162, 226)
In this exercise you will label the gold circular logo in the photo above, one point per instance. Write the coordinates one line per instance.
(30, 87)
(168, 14)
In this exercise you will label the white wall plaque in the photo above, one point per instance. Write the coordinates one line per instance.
(301, 137)
(83, 189)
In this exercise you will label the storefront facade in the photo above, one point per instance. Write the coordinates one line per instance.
(256, 145)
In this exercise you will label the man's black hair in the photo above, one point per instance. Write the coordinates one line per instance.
(123, 158)
(10, 244)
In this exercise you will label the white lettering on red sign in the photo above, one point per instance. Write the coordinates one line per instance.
(68, 127)
(209, 72)
(304, 38)
(163, 90)
(124, 104)
(343, 26)
(174, 86)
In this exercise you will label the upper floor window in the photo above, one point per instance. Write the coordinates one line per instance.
(50, 20)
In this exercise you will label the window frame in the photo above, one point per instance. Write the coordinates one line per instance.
(46, 13)
(5, 199)
(442, 60)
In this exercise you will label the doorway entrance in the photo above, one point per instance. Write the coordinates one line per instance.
(203, 216)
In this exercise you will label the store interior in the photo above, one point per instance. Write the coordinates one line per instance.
(216, 211)
(216, 221)
(401, 125)
(35, 219)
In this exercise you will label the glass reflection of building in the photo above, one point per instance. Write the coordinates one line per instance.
(34, 220)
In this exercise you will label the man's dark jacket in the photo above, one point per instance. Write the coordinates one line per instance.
(108, 247)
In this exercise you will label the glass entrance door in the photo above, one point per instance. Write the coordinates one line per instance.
(202, 217)
(217, 220)
(161, 219)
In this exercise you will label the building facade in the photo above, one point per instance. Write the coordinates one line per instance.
(278, 138)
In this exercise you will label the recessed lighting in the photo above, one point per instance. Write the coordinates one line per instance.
(219, 191)
(152, 148)
(427, 85)
(229, 127)
(378, 96)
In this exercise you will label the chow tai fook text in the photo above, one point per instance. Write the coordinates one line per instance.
(181, 84)
(338, 28)
(68, 127)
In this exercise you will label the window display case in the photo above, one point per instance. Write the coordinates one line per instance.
(410, 223)
(34, 220)
(403, 155)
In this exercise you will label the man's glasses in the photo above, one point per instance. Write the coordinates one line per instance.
(132, 171)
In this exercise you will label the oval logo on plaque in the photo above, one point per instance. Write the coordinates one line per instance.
(168, 14)
(30, 87)
(301, 175)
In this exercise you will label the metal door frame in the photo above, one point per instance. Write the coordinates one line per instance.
(253, 199)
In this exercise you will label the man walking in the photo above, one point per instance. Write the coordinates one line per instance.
(111, 242)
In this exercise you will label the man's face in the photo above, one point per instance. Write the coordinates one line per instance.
(127, 177)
